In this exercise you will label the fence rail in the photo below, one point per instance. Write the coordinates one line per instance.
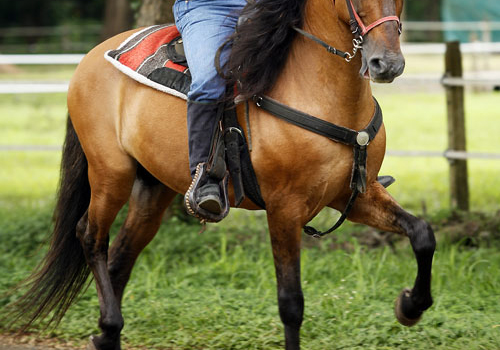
(407, 48)
(96, 28)
(443, 26)
(41, 59)
(25, 87)
(449, 154)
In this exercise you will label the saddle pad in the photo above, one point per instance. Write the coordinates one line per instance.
(148, 56)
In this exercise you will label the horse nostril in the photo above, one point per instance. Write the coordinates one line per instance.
(378, 65)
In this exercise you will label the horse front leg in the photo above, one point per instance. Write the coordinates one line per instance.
(378, 209)
(285, 239)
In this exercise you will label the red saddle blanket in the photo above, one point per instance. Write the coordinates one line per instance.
(149, 57)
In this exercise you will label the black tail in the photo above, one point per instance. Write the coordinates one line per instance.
(62, 274)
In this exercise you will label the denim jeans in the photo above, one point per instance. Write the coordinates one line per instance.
(204, 26)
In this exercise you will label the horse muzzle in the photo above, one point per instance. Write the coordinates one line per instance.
(382, 68)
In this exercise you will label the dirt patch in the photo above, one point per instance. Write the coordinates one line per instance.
(465, 229)
(26, 342)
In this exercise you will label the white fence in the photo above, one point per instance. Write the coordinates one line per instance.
(407, 48)
(443, 26)
(19, 87)
(41, 59)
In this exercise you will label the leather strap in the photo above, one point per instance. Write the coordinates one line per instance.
(333, 132)
(328, 48)
(311, 231)
(358, 140)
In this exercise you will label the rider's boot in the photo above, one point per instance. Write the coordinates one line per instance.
(201, 121)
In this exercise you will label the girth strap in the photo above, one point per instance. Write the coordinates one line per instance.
(359, 140)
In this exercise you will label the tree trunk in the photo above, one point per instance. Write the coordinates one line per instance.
(118, 18)
(155, 12)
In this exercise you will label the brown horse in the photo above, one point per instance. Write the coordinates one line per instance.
(128, 142)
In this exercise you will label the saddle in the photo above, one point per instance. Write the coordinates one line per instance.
(155, 57)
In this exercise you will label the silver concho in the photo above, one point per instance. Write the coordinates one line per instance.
(363, 138)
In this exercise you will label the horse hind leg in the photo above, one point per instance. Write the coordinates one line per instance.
(110, 190)
(378, 209)
(148, 201)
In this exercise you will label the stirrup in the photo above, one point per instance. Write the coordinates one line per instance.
(191, 200)
(209, 198)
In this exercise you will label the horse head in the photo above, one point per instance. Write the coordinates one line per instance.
(376, 27)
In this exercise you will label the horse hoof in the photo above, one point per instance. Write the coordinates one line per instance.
(403, 302)
(91, 345)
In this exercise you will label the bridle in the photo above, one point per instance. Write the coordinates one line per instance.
(358, 29)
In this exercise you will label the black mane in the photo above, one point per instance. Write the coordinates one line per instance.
(261, 44)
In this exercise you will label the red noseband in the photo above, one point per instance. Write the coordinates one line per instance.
(365, 29)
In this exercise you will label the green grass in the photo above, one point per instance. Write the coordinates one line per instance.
(31, 119)
(35, 73)
(217, 291)
(435, 63)
(418, 122)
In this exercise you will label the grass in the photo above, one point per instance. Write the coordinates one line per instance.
(34, 73)
(435, 63)
(217, 290)
(418, 122)
(31, 119)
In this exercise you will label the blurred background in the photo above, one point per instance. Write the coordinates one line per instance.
(216, 290)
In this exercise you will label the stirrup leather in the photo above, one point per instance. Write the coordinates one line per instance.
(190, 198)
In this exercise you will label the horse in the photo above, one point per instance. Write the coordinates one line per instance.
(126, 142)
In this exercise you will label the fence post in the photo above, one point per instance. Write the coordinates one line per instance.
(459, 188)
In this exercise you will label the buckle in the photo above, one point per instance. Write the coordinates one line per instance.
(363, 138)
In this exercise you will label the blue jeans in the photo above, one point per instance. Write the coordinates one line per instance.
(204, 26)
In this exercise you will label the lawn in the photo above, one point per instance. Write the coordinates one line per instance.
(216, 290)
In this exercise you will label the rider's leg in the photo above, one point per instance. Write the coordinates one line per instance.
(201, 124)
(205, 25)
